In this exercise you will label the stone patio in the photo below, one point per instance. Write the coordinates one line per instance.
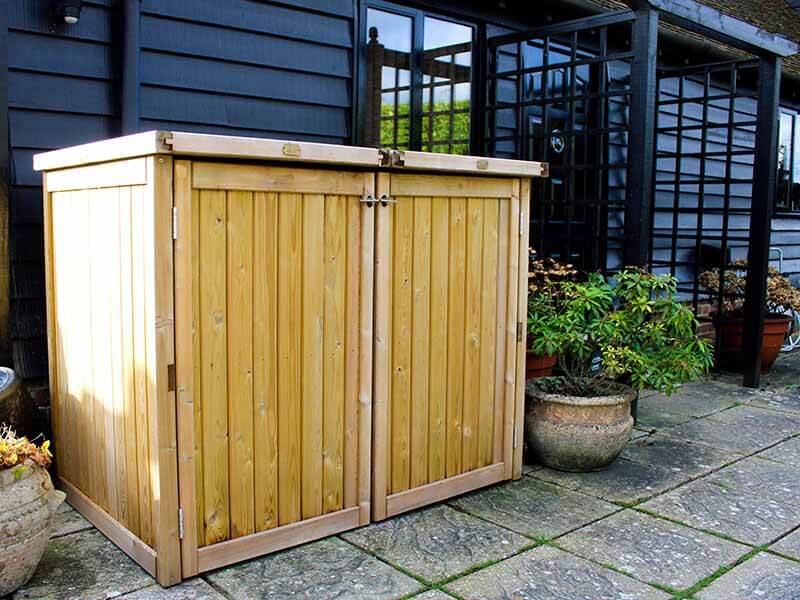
(703, 504)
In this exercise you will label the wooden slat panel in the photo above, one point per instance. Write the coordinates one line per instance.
(352, 259)
(257, 178)
(502, 291)
(401, 343)
(511, 297)
(522, 313)
(197, 369)
(140, 366)
(290, 224)
(265, 357)
(455, 334)
(240, 361)
(440, 248)
(213, 374)
(488, 333)
(420, 341)
(312, 319)
(472, 334)
(445, 186)
(334, 345)
(131, 172)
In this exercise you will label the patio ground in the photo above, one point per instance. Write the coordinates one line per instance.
(704, 504)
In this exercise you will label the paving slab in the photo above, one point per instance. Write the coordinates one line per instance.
(787, 452)
(437, 543)
(784, 400)
(68, 520)
(655, 417)
(534, 508)
(765, 478)
(433, 595)
(84, 565)
(653, 550)
(763, 577)
(788, 545)
(547, 573)
(194, 589)
(740, 515)
(755, 429)
(696, 399)
(624, 481)
(679, 456)
(329, 568)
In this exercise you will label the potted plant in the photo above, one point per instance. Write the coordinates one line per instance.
(729, 314)
(28, 506)
(611, 342)
(547, 279)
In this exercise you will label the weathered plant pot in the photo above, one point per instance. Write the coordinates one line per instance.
(27, 511)
(574, 433)
(538, 366)
(732, 340)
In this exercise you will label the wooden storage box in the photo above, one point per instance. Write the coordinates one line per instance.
(257, 343)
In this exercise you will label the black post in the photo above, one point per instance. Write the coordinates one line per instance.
(641, 140)
(129, 93)
(764, 180)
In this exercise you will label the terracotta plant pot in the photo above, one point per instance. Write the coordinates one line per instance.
(539, 366)
(732, 340)
(27, 510)
(575, 433)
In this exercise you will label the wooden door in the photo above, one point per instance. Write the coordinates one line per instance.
(273, 354)
(449, 331)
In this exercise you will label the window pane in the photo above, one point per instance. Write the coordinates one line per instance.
(388, 79)
(446, 93)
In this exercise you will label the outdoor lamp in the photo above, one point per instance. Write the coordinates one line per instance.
(69, 10)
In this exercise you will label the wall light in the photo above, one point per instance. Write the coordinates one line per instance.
(68, 10)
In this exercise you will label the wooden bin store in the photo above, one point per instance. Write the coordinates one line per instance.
(257, 343)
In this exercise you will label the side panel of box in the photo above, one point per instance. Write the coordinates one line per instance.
(109, 345)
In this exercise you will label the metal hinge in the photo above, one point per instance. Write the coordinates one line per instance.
(180, 523)
(174, 222)
(515, 437)
(521, 222)
(519, 331)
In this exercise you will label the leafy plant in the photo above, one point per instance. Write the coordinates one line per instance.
(635, 332)
(547, 281)
(781, 294)
(16, 451)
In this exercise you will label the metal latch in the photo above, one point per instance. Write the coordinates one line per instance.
(384, 199)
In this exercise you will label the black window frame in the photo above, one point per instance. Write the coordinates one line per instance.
(417, 16)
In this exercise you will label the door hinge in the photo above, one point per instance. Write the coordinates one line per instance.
(515, 437)
(174, 222)
(521, 222)
(180, 523)
(519, 331)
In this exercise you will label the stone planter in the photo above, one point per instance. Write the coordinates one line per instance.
(573, 433)
(27, 510)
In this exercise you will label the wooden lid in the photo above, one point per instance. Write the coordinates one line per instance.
(222, 146)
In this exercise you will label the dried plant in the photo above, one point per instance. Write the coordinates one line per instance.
(781, 294)
(16, 451)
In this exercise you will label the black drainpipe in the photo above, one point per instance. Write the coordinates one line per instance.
(129, 87)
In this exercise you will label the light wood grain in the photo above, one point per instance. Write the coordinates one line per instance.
(450, 186)
(259, 178)
(522, 313)
(107, 175)
(455, 334)
(488, 333)
(512, 297)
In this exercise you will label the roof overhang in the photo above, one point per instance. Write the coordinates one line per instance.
(714, 24)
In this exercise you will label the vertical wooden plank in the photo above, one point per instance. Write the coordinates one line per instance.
(213, 371)
(502, 305)
(511, 298)
(522, 311)
(455, 333)
(197, 376)
(440, 268)
(56, 222)
(185, 286)
(334, 344)
(420, 341)
(313, 307)
(366, 340)
(290, 392)
(56, 401)
(401, 342)
(140, 365)
(488, 333)
(472, 334)
(160, 355)
(352, 300)
(381, 455)
(265, 356)
(240, 361)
